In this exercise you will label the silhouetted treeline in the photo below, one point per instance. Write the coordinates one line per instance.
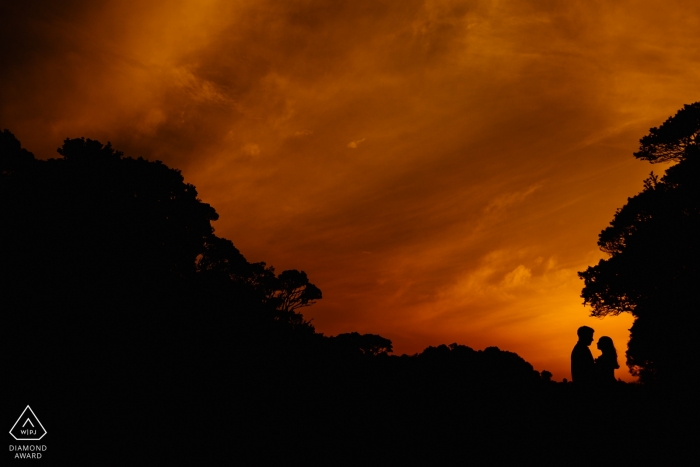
(135, 331)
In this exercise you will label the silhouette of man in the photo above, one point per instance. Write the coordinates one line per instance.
(582, 365)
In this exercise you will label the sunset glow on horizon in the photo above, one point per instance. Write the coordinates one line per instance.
(440, 169)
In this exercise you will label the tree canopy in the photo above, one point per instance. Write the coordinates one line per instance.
(674, 138)
(364, 344)
(105, 252)
(653, 264)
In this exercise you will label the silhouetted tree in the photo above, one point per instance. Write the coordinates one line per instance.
(654, 256)
(674, 138)
(285, 292)
(102, 254)
(221, 257)
(12, 155)
(293, 291)
(365, 344)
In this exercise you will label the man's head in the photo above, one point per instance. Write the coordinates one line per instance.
(585, 335)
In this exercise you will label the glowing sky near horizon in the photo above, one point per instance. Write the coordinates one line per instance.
(440, 169)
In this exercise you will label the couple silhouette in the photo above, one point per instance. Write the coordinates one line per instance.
(587, 372)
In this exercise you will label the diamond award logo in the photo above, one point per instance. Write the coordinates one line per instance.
(28, 427)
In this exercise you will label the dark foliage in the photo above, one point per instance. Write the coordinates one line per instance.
(362, 344)
(654, 256)
(672, 140)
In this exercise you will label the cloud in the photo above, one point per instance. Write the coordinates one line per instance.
(251, 149)
(518, 276)
(507, 200)
(353, 144)
(301, 134)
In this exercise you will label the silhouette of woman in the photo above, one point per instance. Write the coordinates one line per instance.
(606, 364)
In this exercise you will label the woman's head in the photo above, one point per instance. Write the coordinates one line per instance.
(605, 344)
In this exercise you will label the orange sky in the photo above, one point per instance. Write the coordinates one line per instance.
(440, 169)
